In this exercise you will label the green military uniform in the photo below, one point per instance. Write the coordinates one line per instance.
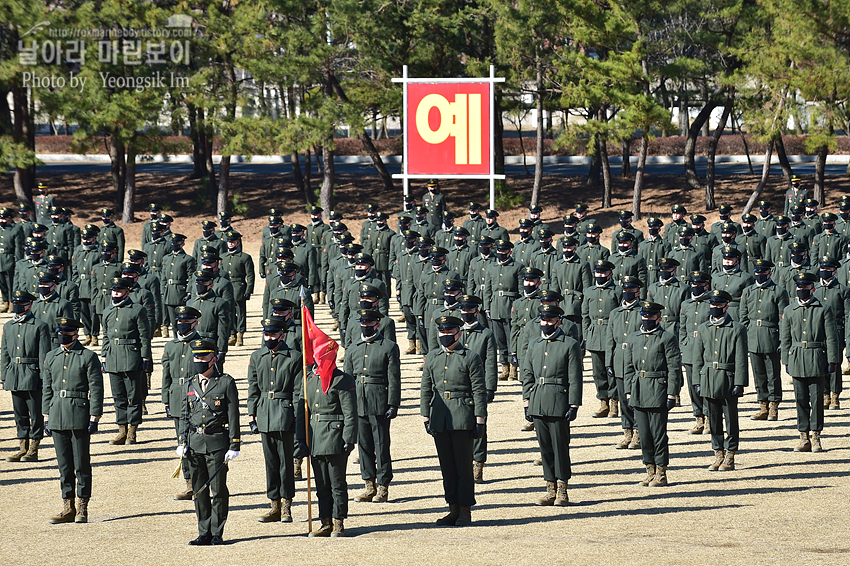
(703, 241)
(837, 296)
(157, 248)
(216, 318)
(405, 288)
(44, 205)
(460, 257)
(27, 268)
(795, 196)
(625, 218)
(599, 300)
(523, 309)
(672, 228)
(103, 274)
(476, 276)
(592, 251)
(435, 202)
(240, 268)
(421, 224)
(626, 261)
(571, 276)
(175, 272)
(61, 238)
(290, 290)
(623, 320)
(445, 235)
(800, 263)
(112, 233)
(751, 241)
(502, 285)
(777, 248)
(147, 228)
(72, 398)
(85, 257)
(733, 281)
(51, 308)
(652, 249)
(474, 225)
(493, 230)
(766, 222)
(694, 312)
(306, 256)
(688, 257)
(379, 247)
(527, 244)
(671, 293)
(11, 250)
(429, 294)
(801, 231)
(725, 212)
(546, 257)
(208, 241)
(830, 243)
(571, 230)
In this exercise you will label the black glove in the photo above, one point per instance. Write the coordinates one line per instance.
(428, 428)
(246, 297)
(478, 431)
(737, 391)
(92, 427)
(697, 388)
(514, 360)
(830, 368)
(420, 321)
(253, 426)
(490, 395)
(609, 371)
(145, 364)
(103, 367)
(571, 414)
(487, 313)
(342, 333)
(348, 447)
(398, 299)
(262, 274)
(527, 417)
(47, 432)
(670, 404)
(331, 304)
(302, 450)
(219, 358)
(392, 412)
(186, 298)
(168, 411)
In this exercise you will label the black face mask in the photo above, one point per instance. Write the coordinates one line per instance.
(762, 277)
(450, 299)
(361, 272)
(781, 230)
(524, 235)
(447, 340)
(629, 296)
(654, 231)
(130, 281)
(410, 244)
(829, 227)
(423, 253)
(546, 328)
(715, 312)
(666, 274)
(601, 280)
(727, 239)
(485, 251)
(106, 257)
(825, 274)
(19, 308)
(592, 238)
(44, 291)
(156, 235)
(569, 254)
(297, 239)
(382, 225)
(798, 259)
(208, 233)
(724, 217)
(53, 270)
(697, 290)
(274, 229)
(804, 294)
(545, 244)
(202, 367)
(684, 242)
(501, 256)
(468, 317)
(420, 219)
(286, 276)
(66, 339)
(368, 331)
(184, 328)
(366, 305)
(201, 288)
(624, 249)
(624, 223)
(844, 215)
(436, 261)
(271, 344)
(796, 217)
(569, 229)
(175, 247)
(459, 243)
(118, 300)
(649, 324)
(529, 289)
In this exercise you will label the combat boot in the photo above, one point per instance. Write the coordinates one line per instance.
(22, 451)
(400, 318)
(232, 340)
(87, 341)
(561, 497)
(635, 444)
(338, 528)
(325, 530)
(506, 372)
(315, 298)
(773, 411)
(660, 479)
(464, 517)
(699, 425)
(95, 341)
(368, 493)
(614, 408)
(336, 325)
(82, 515)
(297, 468)
(166, 331)
(323, 297)
(286, 511)
(537, 461)
(411, 347)
(122, 436)
(528, 426)
(603, 410)
(650, 475)
(627, 438)
(826, 399)
(816, 445)
(32, 453)
(477, 472)
(729, 462)
(383, 494)
(418, 347)
(273, 514)
(718, 460)
(548, 499)
(805, 445)
(67, 514)
(707, 429)
(834, 403)
(131, 433)
(240, 339)
(157, 332)
(5, 306)
(187, 494)
(451, 518)
(514, 373)
(762, 413)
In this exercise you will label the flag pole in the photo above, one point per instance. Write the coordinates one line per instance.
(306, 411)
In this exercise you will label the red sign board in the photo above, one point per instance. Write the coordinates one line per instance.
(448, 128)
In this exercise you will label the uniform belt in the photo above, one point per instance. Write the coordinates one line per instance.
(483, 285)
(456, 395)
(670, 318)
(209, 430)
(551, 381)
(509, 294)
(279, 395)
(648, 374)
(371, 379)
(64, 393)
(182, 380)
(601, 321)
(20, 360)
(82, 275)
(725, 367)
(695, 334)
(624, 346)
(807, 345)
(125, 341)
(436, 301)
(104, 291)
(327, 418)
(766, 323)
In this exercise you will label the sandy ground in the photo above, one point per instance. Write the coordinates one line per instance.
(777, 507)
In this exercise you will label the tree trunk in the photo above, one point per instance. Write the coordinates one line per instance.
(198, 141)
(684, 119)
(499, 143)
(746, 145)
(704, 89)
(644, 148)
(299, 178)
(118, 169)
(129, 186)
(538, 166)
(626, 167)
(787, 172)
(712, 152)
(223, 184)
(24, 177)
(326, 193)
(308, 172)
(765, 172)
(595, 169)
(691, 144)
(6, 127)
(606, 173)
(820, 169)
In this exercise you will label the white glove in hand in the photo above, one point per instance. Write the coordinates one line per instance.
(230, 455)
(181, 451)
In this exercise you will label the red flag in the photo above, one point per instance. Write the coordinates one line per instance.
(318, 349)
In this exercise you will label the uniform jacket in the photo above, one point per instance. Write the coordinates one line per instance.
(551, 375)
(652, 368)
(595, 308)
(376, 369)
(809, 338)
(332, 416)
(126, 337)
(215, 410)
(760, 312)
(502, 286)
(275, 388)
(216, 318)
(178, 366)
(720, 357)
(453, 391)
(23, 349)
(73, 387)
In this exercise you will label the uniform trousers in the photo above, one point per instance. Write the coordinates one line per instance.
(7, 284)
(553, 435)
(73, 457)
(280, 470)
(808, 391)
(212, 504)
(128, 393)
(502, 333)
(373, 441)
(409, 321)
(454, 451)
(606, 388)
(652, 426)
(698, 404)
(242, 317)
(720, 410)
(331, 487)
(91, 322)
(627, 414)
(29, 420)
(479, 448)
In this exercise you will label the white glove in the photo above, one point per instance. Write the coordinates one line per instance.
(181, 451)
(230, 455)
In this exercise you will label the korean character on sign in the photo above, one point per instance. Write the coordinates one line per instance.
(107, 51)
(75, 51)
(180, 52)
(156, 52)
(51, 52)
(28, 55)
(132, 50)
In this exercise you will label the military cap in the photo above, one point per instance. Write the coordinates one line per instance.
(623, 214)
(504, 245)
(297, 227)
(795, 179)
(209, 255)
(781, 219)
(56, 260)
(69, 325)
(334, 215)
(184, 312)
(535, 209)
(678, 209)
(570, 219)
(345, 239)
(66, 211)
(448, 214)
(407, 198)
(382, 216)
(433, 183)
(762, 265)
(545, 233)
(39, 228)
(550, 311)
(85, 233)
(550, 295)
(748, 218)
(369, 315)
(136, 254)
(764, 204)
(812, 202)
(485, 241)
(178, 237)
(41, 185)
(233, 235)
(203, 275)
(697, 276)
(526, 223)
(119, 283)
(531, 273)
(730, 253)
(24, 207)
(56, 210)
(105, 212)
(569, 241)
(453, 285)
(581, 208)
(284, 253)
(729, 227)
(473, 206)
(804, 278)
(131, 268)
(224, 214)
(363, 257)
(724, 209)
(370, 207)
(697, 219)
(92, 228)
(6, 212)
(404, 220)
(668, 263)
(828, 217)
(490, 213)
(282, 304)
(274, 220)
(46, 277)
(37, 245)
(719, 296)
(274, 325)
(437, 251)
(367, 290)
(461, 231)
(353, 249)
(420, 210)
(595, 228)
(626, 237)
(686, 231)
(654, 221)
(648, 307)
(158, 226)
(22, 297)
(203, 347)
(287, 266)
(448, 322)
(844, 205)
(153, 207)
(316, 210)
(411, 234)
(469, 302)
(631, 281)
(844, 197)
(603, 265)
(165, 218)
(829, 262)
(797, 247)
(798, 209)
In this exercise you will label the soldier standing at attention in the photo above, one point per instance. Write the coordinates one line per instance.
(73, 401)
(25, 344)
(317, 232)
(527, 244)
(103, 274)
(112, 232)
(207, 240)
(492, 229)
(49, 307)
(444, 237)
(154, 210)
(830, 292)
(460, 254)
(596, 307)
(177, 268)
(216, 317)
(677, 221)
(44, 205)
(374, 362)
(652, 374)
(240, 267)
(732, 280)
(796, 195)
(551, 391)
(523, 309)
(474, 224)
(453, 405)
(810, 352)
(502, 285)
(435, 202)
(209, 439)
(720, 361)
(625, 218)
(305, 255)
(331, 428)
(85, 257)
(275, 390)
(592, 250)
(11, 250)
(378, 247)
(694, 312)
(652, 249)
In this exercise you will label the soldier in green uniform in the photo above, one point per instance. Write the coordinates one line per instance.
(476, 276)
(725, 213)
(368, 225)
(460, 254)
(27, 223)
(177, 368)
(800, 263)
(453, 405)
(329, 435)
(209, 240)
(157, 248)
(830, 292)
(103, 274)
(732, 279)
(49, 307)
(126, 355)
(317, 231)
(534, 213)
(829, 243)
(551, 392)
(342, 269)
(405, 289)
(571, 276)
(374, 361)
(216, 317)
(571, 231)
(421, 223)
(727, 241)
(703, 241)
(364, 273)
(796, 195)
(686, 254)
(678, 220)
(625, 218)
(720, 361)
(545, 258)
(65, 288)
(626, 260)
(762, 304)
(810, 352)
(652, 249)
(811, 217)
(502, 285)
(370, 299)
(523, 309)
(694, 311)
(11, 250)
(305, 255)
(154, 210)
(379, 248)
(73, 403)
(240, 268)
(26, 270)
(209, 439)
(592, 250)
(765, 223)
(670, 292)
(599, 300)
(527, 244)
(112, 232)
(175, 272)
(85, 257)
(584, 221)
(801, 231)
(492, 229)
(60, 234)
(25, 343)
(623, 320)
(429, 293)
(778, 246)
(275, 391)
(435, 202)
(270, 244)
(652, 380)
(750, 240)
(150, 281)
(44, 204)
(474, 224)
(444, 237)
